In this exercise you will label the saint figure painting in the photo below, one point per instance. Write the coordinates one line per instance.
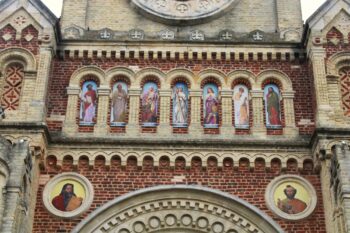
(119, 103)
(88, 98)
(291, 204)
(67, 200)
(272, 105)
(180, 104)
(150, 99)
(241, 106)
(211, 105)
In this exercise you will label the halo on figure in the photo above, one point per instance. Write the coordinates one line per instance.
(291, 197)
(83, 191)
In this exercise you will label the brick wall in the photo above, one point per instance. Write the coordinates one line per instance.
(247, 183)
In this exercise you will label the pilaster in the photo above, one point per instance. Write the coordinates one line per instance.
(164, 119)
(37, 109)
(100, 128)
(133, 127)
(259, 128)
(324, 111)
(195, 126)
(70, 125)
(227, 112)
(290, 128)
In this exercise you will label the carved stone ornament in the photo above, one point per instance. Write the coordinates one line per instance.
(177, 209)
(68, 195)
(183, 11)
(291, 197)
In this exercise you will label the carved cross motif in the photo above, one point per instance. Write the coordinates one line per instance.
(205, 4)
(136, 34)
(258, 37)
(105, 35)
(226, 36)
(167, 35)
(161, 3)
(182, 8)
(197, 35)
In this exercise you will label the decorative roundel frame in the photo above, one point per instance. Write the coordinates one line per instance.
(85, 183)
(186, 12)
(274, 184)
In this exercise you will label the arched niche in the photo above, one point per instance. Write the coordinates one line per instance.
(177, 208)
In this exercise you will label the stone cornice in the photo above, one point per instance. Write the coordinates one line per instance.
(181, 51)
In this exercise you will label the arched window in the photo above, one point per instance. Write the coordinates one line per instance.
(211, 106)
(345, 89)
(241, 106)
(88, 106)
(149, 104)
(12, 86)
(272, 97)
(119, 105)
(180, 105)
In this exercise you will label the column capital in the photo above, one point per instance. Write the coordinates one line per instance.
(257, 93)
(103, 91)
(134, 91)
(226, 93)
(195, 93)
(317, 52)
(288, 94)
(73, 90)
(165, 93)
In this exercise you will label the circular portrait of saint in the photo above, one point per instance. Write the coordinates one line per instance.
(291, 197)
(68, 195)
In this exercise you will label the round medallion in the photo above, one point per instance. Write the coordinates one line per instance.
(68, 195)
(291, 197)
(183, 11)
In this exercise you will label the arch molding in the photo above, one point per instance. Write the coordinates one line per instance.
(178, 208)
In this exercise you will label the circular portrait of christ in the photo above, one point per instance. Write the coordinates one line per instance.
(68, 195)
(291, 197)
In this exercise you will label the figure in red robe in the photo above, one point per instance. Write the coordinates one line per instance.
(67, 200)
(291, 205)
(273, 107)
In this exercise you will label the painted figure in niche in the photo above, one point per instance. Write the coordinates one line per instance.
(272, 102)
(119, 102)
(88, 102)
(180, 104)
(150, 103)
(241, 103)
(211, 105)
(67, 200)
(291, 205)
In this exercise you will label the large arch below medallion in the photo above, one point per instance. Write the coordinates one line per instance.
(175, 209)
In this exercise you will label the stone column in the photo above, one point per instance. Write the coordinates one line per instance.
(164, 118)
(259, 128)
(100, 128)
(195, 126)
(324, 112)
(16, 205)
(290, 128)
(342, 154)
(226, 108)
(37, 109)
(133, 127)
(70, 126)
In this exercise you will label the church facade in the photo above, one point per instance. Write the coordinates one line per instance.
(225, 116)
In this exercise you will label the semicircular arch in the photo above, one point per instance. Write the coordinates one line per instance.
(169, 209)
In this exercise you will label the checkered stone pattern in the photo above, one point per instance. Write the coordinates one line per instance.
(345, 90)
(12, 87)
